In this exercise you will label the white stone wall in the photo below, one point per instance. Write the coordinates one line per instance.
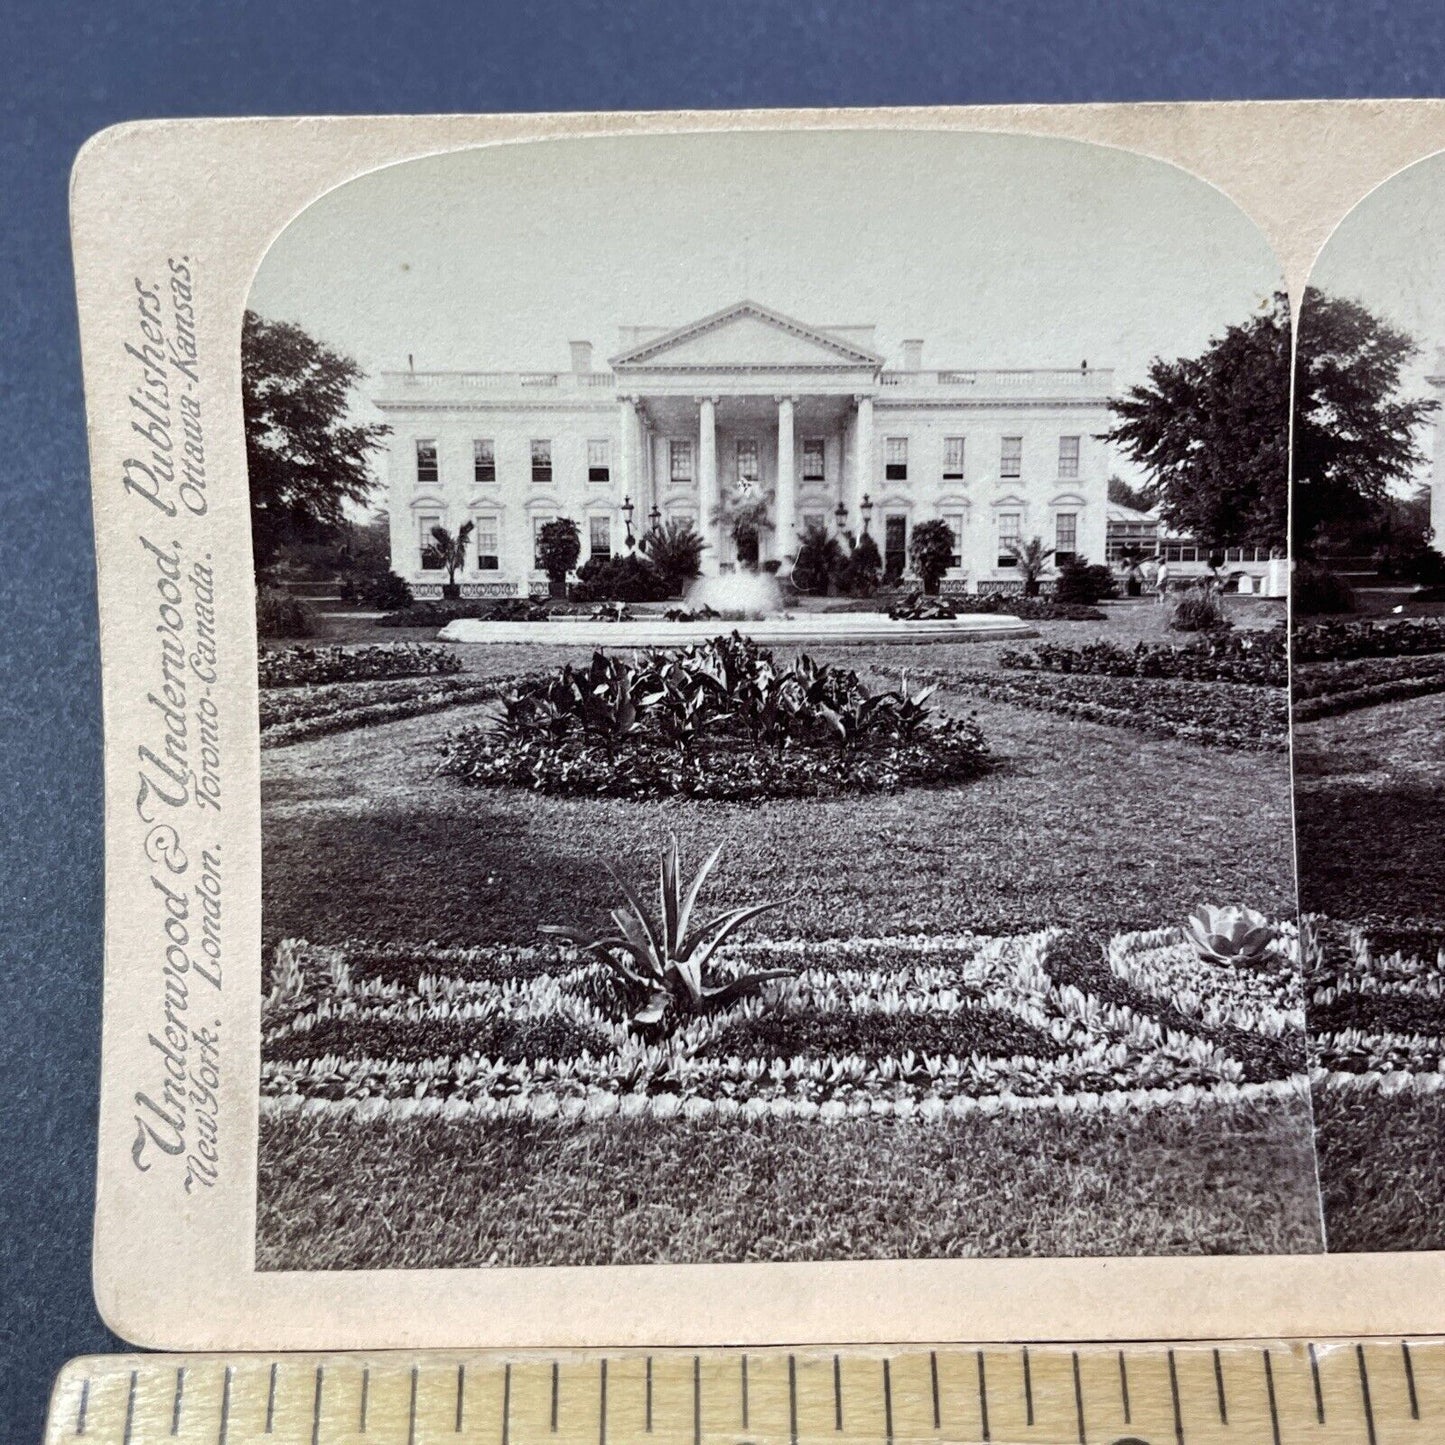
(1039, 494)
(513, 499)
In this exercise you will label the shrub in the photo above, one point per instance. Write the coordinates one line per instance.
(1198, 610)
(930, 549)
(863, 570)
(719, 720)
(279, 614)
(675, 549)
(294, 666)
(385, 591)
(1084, 583)
(630, 578)
(559, 545)
(820, 559)
(1027, 609)
(1032, 559)
(1316, 591)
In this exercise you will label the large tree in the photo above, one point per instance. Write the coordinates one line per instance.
(1212, 433)
(1353, 434)
(305, 454)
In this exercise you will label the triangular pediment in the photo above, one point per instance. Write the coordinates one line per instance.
(746, 336)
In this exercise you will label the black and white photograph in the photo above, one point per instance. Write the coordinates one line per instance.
(774, 713)
(1369, 711)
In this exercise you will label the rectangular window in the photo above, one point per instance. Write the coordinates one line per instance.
(1068, 458)
(1011, 458)
(537, 524)
(895, 545)
(747, 461)
(1009, 535)
(431, 558)
(541, 460)
(895, 459)
(813, 466)
(955, 525)
(1066, 537)
(484, 460)
(815, 522)
(679, 462)
(488, 544)
(599, 536)
(426, 460)
(599, 460)
(953, 459)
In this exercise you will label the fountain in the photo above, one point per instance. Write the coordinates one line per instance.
(750, 602)
(753, 594)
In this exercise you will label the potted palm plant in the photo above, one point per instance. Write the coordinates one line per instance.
(452, 550)
(1033, 561)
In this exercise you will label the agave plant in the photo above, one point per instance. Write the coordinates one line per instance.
(1230, 935)
(663, 963)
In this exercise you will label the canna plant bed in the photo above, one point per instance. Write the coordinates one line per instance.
(1211, 714)
(907, 1029)
(306, 666)
(722, 720)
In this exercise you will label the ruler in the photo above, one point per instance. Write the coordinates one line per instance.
(1355, 1392)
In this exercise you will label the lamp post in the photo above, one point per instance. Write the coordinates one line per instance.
(627, 511)
(654, 517)
(840, 514)
(866, 507)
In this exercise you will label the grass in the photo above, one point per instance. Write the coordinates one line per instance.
(1382, 1172)
(1370, 794)
(1080, 824)
(337, 1193)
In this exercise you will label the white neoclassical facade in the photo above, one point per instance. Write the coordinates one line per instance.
(741, 405)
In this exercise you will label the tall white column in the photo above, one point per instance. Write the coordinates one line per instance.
(627, 473)
(862, 463)
(784, 523)
(709, 497)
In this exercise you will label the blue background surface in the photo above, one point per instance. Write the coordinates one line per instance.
(72, 69)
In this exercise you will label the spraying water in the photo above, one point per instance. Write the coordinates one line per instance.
(754, 594)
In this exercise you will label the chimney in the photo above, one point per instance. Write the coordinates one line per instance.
(581, 356)
(913, 355)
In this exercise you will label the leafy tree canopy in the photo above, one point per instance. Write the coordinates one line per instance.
(1140, 498)
(1353, 434)
(1212, 432)
(305, 457)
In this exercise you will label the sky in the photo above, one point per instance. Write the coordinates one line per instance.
(1389, 255)
(1006, 251)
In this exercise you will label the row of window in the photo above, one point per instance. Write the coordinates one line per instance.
(484, 460)
(680, 462)
(486, 538)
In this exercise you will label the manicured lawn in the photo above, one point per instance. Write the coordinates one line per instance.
(337, 1193)
(1078, 824)
(1382, 1170)
(1370, 799)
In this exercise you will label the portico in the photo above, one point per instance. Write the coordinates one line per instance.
(752, 427)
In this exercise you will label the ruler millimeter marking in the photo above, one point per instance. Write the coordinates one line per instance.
(1355, 1392)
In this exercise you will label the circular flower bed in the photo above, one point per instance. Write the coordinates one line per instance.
(719, 720)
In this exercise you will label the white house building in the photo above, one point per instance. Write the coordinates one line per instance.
(744, 403)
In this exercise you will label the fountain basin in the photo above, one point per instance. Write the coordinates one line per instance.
(817, 627)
